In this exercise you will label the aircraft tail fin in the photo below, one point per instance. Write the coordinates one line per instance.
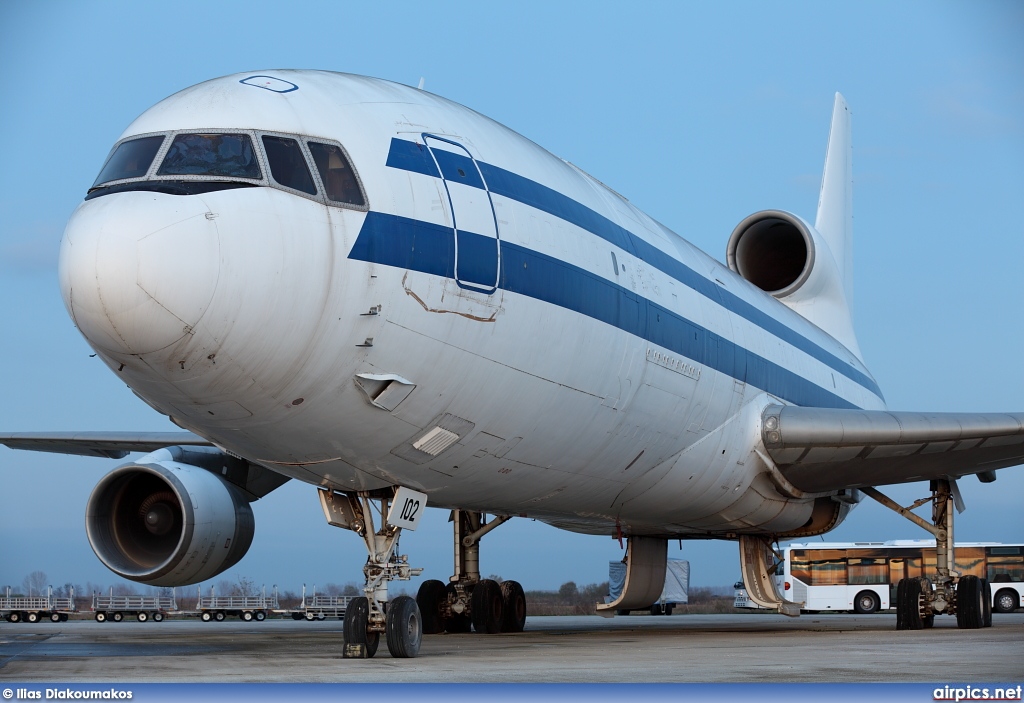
(835, 201)
(808, 267)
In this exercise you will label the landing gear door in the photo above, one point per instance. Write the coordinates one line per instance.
(474, 222)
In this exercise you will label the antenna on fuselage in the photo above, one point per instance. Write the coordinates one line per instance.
(420, 85)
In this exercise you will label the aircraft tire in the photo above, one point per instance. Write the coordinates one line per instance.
(986, 601)
(970, 610)
(456, 622)
(404, 628)
(357, 616)
(513, 598)
(430, 598)
(908, 606)
(487, 608)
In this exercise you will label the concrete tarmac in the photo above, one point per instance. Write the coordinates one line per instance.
(638, 648)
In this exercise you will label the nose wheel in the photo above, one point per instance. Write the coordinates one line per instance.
(371, 615)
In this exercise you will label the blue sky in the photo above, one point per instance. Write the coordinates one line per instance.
(699, 113)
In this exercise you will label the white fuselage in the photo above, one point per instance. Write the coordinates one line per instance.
(600, 373)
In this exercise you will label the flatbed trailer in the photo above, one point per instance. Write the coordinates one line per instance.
(246, 608)
(111, 608)
(317, 606)
(36, 608)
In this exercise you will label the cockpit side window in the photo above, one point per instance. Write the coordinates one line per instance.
(227, 155)
(336, 174)
(288, 164)
(131, 159)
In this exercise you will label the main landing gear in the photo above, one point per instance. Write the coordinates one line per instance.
(919, 598)
(468, 602)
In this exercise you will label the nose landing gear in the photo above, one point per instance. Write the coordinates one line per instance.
(371, 615)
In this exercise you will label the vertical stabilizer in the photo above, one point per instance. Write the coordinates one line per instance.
(835, 202)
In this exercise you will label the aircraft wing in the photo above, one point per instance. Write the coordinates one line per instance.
(111, 445)
(821, 449)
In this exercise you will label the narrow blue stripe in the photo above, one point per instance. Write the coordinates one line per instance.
(414, 157)
(420, 246)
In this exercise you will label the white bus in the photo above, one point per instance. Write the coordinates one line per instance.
(862, 576)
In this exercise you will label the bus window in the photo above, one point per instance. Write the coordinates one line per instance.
(819, 567)
(868, 570)
(970, 560)
(1005, 564)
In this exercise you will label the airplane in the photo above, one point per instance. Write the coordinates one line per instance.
(365, 287)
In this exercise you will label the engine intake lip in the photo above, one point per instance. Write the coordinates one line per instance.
(115, 523)
(765, 249)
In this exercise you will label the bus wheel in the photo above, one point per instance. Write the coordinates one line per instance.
(1006, 601)
(866, 602)
(970, 609)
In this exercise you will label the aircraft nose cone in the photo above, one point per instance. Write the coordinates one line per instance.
(138, 270)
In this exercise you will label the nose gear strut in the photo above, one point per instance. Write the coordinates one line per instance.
(371, 615)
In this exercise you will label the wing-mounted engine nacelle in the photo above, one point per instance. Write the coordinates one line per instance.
(169, 520)
(785, 256)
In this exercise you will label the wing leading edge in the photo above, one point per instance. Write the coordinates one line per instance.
(110, 445)
(822, 449)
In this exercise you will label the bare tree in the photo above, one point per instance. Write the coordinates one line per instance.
(34, 584)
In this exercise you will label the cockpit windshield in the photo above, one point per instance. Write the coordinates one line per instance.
(193, 163)
(228, 155)
(130, 159)
(336, 173)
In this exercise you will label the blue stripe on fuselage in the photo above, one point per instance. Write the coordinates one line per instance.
(410, 244)
(410, 156)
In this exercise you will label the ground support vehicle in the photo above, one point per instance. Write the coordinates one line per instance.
(246, 608)
(36, 608)
(111, 608)
(864, 577)
(675, 592)
(320, 607)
